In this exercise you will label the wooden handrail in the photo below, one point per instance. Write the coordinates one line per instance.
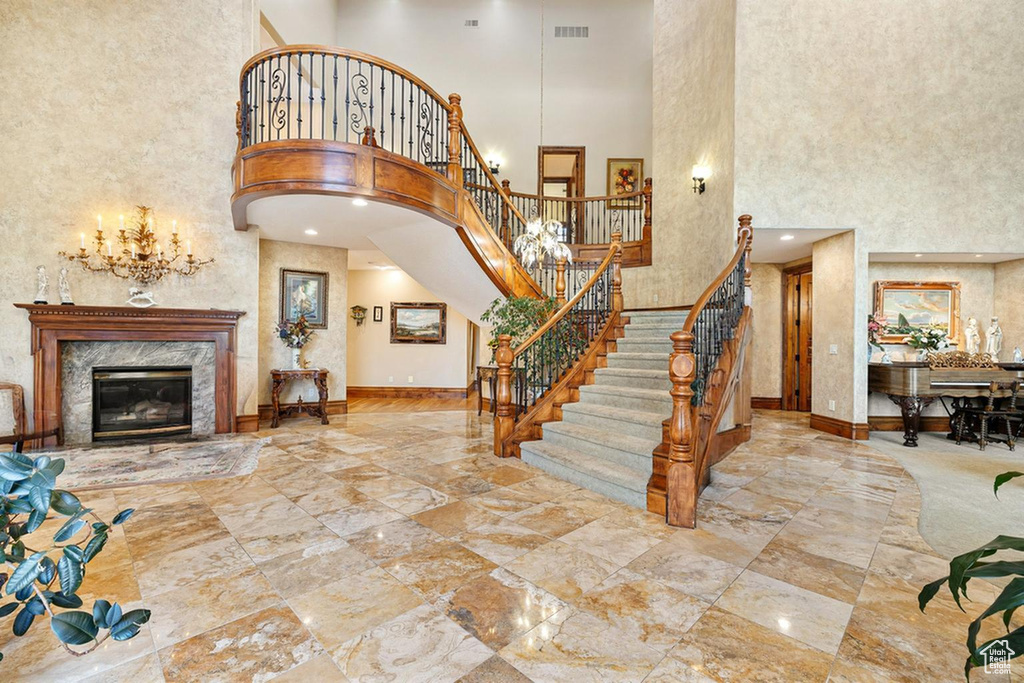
(307, 48)
(495, 184)
(615, 249)
(687, 437)
(602, 198)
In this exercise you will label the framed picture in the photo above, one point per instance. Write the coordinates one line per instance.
(922, 304)
(625, 176)
(378, 314)
(304, 292)
(419, 323)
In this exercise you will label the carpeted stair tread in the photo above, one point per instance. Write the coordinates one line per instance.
(589, 466)
(603, 437)
(633, 372)
(631, 392)
(617, 414)
(639, 355)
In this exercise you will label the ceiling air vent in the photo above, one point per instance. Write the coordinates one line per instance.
(472, 23)
(572, 32)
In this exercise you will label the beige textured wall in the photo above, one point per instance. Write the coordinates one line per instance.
(694, 54)
(766, 283)
(1009, 305)
(327, 348)
(834, 315)
(898, 119)
(122, 103)
(372, 358)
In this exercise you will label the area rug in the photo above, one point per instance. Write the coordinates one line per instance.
(958, 509)
(98, 467)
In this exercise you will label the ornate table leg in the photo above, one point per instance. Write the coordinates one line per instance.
(910, 408)
(275, 395)
(321, 386)
(479, 393)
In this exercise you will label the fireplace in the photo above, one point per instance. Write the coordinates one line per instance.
(141, 402)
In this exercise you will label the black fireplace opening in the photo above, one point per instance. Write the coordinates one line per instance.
(141, 402)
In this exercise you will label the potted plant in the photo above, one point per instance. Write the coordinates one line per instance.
(518, 317)
(295, 335)
(969, 566)
(876, 325)
(927, 340)
(43, 572)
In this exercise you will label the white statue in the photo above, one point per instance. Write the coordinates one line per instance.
(64, 288)
(994, 339)
(140, 299)
(41, 282)
(1018, 357)
(971, 336)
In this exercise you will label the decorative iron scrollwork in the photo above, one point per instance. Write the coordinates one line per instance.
(426, 133)
(360, 85)
(278, 115)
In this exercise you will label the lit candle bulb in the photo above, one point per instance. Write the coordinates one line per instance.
(174, 227)
(133, 250)
(99, 222)
(158, 252)
(110, 251)
(120, 221)
(83, 240)
(188, 247)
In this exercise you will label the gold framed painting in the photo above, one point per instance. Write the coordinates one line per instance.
(304, 292)
(625, 177)
(921, 304)
(419, 323)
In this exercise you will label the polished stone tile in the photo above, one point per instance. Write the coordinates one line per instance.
(502, 501)
(393, 539)
(319, 669)
(608, 541)
(330, 499)
(418, 499)
(347, 608)
(499, 606)
(438, 568)
(157, 573)
(787, 562)
(494, 670)
(361, 516)
(676, 566)
(654, 613)
(310, 568)
(455, 518)
(673, 671)
(139, 670)
(255, 647)
(561, 569)
(726, 647)
(502, 541)
(811, 618)
(421, 645)
(575, 645)
(552, 519)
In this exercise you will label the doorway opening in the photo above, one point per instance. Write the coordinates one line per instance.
(561, 171)
(797, 330)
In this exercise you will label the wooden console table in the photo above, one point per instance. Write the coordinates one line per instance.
(489, 374)
(318, 409)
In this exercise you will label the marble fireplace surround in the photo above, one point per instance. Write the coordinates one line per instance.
(78, 358)
(54, 325)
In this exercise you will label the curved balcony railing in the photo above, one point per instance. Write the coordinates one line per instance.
(311, 92)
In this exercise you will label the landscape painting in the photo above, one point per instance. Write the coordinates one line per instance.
(921, 304)
(418, 323)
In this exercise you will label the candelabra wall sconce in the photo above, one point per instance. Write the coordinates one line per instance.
(494, 166)
(137, 255)
(700, 175)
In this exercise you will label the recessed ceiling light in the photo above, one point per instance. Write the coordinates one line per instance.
(310, 231)
(977, 256)
(786, 238)
(918, 255)
(359, 202)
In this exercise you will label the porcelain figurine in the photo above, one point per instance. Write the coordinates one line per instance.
(1018, 357)
(994, 339)
(972, 337)
(41, 283)
(64, 288)
(140, 299)
(886, 359)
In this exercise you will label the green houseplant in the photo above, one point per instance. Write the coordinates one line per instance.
(518, 317)
(963, 568)
(35, 562)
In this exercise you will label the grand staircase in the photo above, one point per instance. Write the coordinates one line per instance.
(605, 440)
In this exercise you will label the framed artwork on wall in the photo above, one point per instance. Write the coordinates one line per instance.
(624, 177)
(921, 304)
(419, 323)
(378, 314)
(304, 292)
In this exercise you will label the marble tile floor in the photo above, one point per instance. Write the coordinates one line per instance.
(395, 547)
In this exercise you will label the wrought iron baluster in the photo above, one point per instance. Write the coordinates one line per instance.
(323, 96)
(335, 99)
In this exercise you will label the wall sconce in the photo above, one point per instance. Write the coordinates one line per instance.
(494, 165)
(700, 174)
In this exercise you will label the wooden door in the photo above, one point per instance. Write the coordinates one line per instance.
(798, 329)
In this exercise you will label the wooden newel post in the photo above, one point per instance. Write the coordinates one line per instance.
(745, 220)
(504, 418)
(617, 272)
(455, 139)
(505, 237)
(681, 482)
(560, 282)
(647, 202)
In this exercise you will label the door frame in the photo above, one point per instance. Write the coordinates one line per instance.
(790, 342)
(578, 183)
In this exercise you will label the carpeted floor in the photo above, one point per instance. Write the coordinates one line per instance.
(958, 509)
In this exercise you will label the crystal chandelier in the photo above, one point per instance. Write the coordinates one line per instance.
(541, 239)
(138, 255)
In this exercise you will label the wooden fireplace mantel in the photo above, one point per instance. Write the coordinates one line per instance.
(54, 324)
